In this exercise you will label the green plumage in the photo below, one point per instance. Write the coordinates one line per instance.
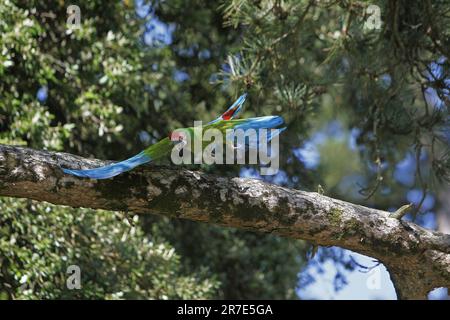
(160, 149)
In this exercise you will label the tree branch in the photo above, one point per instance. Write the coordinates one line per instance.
(418, 259)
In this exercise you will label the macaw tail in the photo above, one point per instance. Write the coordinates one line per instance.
(111, 170)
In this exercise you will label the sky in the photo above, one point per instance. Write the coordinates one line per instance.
(361, 284)
(373, 284)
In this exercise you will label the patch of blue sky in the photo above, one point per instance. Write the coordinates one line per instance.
(204, 54)
(249, 172)
(359, 284)
(158, 33)
(415, 195)
(318, 281)
(42, 94)
(180, 76)
(334, 130)
(405, 170)
(279, 178)
(436, 70)
(439, 294)
(354, 134)
(143, 8)
(433, 99)
(385, 80)
(309, 153)
(144, 137)
(436, 73)
(427, 220)
(226, 71)
(226, 68)
(350, 185)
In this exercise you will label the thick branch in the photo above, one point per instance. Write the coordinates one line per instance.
(418, 259)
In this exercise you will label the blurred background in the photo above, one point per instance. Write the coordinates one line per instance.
(363, 87)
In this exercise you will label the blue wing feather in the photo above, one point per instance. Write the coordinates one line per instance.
(237, 105)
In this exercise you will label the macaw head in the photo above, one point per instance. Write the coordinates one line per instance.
(178, 136)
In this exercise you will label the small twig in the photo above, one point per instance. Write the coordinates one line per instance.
(401, 212)
(365, 268)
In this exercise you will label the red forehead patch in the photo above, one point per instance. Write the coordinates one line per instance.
(176, 136)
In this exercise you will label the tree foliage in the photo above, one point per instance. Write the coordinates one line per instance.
(109, 89)
(39, 242)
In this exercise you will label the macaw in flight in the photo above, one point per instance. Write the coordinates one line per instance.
(164, 146)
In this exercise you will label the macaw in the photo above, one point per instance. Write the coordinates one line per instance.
(164, 146)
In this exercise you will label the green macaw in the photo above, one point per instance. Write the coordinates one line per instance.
(165, 146)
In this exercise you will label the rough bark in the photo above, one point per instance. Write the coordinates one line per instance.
(418, 259)
(443, 212)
